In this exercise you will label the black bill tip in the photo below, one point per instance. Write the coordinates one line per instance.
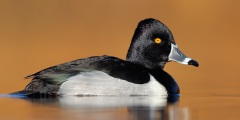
(193, 62)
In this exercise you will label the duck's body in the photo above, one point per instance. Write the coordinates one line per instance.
(140, 74)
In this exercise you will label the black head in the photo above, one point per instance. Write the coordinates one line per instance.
(153, 45)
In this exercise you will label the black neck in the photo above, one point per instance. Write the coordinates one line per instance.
(166, 80)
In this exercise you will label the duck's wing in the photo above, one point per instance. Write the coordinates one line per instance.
(59, 73)
(113, 66)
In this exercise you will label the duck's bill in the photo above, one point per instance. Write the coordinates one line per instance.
(177, 56)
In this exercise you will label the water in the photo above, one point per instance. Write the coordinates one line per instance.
(122, 108)
(98, 107)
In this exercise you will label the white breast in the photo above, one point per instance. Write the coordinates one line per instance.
(100, 83)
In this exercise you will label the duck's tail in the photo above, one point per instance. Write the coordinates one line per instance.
(22, 94)
(37, 89)
(19, 94)
(30, 94)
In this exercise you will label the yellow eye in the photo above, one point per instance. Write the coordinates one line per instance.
(157, 40)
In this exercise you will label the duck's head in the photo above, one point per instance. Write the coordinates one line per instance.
(153, 46)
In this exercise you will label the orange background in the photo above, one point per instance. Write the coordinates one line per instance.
(38, 34)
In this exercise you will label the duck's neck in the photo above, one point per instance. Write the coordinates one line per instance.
(158, 73)
(166, 80)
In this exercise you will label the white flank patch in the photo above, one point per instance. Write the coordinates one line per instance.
(100, 83)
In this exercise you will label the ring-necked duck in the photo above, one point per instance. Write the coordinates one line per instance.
(141, 73)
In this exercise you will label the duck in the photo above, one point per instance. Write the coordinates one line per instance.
(141, 73)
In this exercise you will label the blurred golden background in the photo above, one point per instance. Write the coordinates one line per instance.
(42, 33)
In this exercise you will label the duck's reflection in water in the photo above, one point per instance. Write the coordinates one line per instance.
(137, 107)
